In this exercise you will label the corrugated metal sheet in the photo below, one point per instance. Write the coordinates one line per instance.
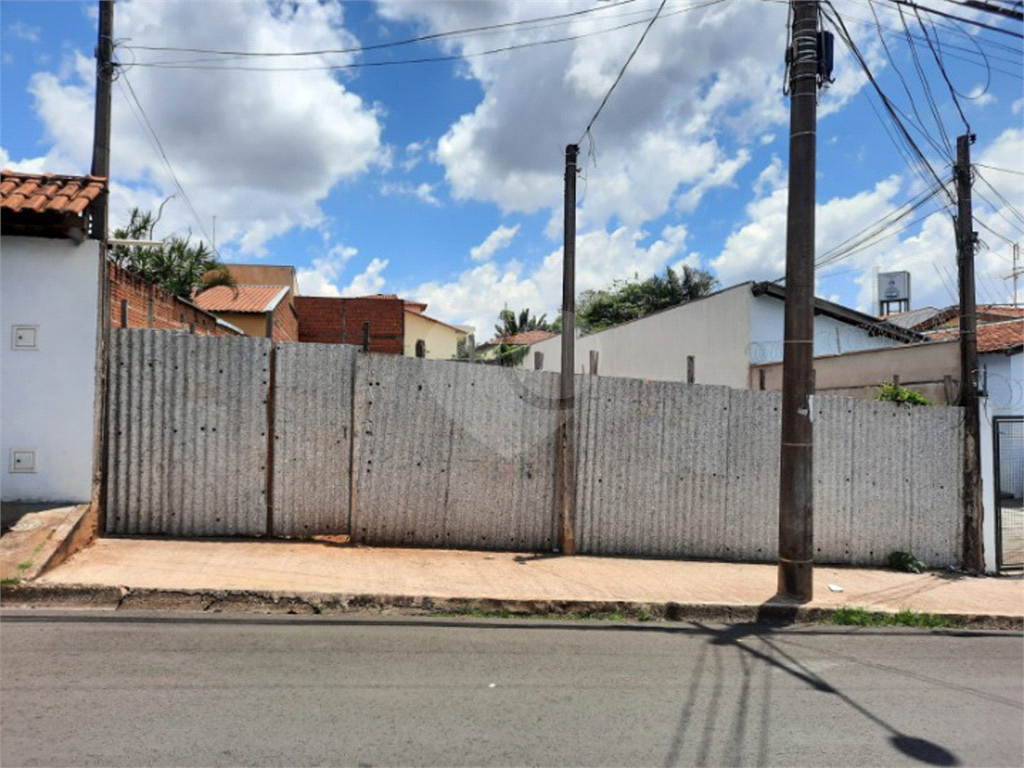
(187, 444)
(312, 441)
(453, 455)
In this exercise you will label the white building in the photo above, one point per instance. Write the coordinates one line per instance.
(49, 294)
(715, 340)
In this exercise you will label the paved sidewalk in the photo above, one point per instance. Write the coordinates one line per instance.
(327, 568)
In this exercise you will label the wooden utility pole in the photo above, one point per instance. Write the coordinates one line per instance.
(966, 238)
(99, 213)
(567, 389)
(796, 470)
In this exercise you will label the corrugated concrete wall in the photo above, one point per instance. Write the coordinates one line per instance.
(187, 434)
(692, 471)
(452, 455)
(312, 438)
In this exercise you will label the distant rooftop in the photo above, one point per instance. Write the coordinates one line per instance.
(256, 299)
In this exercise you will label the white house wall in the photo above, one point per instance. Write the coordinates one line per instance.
(48, 393)
(1004, 376)
(831, 336)
(714, 330)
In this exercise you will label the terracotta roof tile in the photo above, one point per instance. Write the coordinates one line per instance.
(992, 337)
(524, 338)
(986, 312)
(239, 298)
(47, 193)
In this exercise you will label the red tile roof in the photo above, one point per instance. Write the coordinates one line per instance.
(47, 193)
(240, 298)
(992, 337)
(986, 313)
(525, 338)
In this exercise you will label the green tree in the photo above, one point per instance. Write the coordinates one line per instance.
(629, 299)
(180, 267)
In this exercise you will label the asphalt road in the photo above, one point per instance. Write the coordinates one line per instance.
(90, 688)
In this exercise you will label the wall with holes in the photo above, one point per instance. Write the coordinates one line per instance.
(402, 451)
(671, 470)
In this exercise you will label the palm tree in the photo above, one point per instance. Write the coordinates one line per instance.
(511, 324)
(179, 267)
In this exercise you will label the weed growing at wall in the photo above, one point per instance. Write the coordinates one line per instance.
(894, 393)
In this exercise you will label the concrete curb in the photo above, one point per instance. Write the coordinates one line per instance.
(262, 602)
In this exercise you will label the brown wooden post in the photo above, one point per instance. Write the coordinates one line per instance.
(124, 313)
(538, 361)
(593, 362)
(366, 336)
(691, 369)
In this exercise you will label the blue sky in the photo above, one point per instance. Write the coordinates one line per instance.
(442, 181)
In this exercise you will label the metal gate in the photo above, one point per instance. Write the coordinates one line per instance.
(1008, 435)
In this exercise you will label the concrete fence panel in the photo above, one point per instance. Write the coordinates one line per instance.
(312, 438)
(835, 514)
(400, 451)
(453, 455)
(187, 446)
(650, 467)
(752, 472)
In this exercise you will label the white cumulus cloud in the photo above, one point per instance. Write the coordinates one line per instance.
(494, 242)
(258, 151)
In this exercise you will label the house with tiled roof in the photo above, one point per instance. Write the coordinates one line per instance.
(429, 337)
(512, 344)
(263, 311)
(50, 279)
(383, 322)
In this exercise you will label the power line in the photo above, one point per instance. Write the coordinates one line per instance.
(906, 88)
(989, 229)
(997, 168)
(978, 5)
(420, 60)
(923, 167)
(623, 70)
(167, 162)
(942, 69)
(999, 194)
(962, 20)
(872, 233)
(378, 46)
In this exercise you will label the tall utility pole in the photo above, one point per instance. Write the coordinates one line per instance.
(100, 223)
(966, 238)
(567, 388)
(101, 124)
(796, 470)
